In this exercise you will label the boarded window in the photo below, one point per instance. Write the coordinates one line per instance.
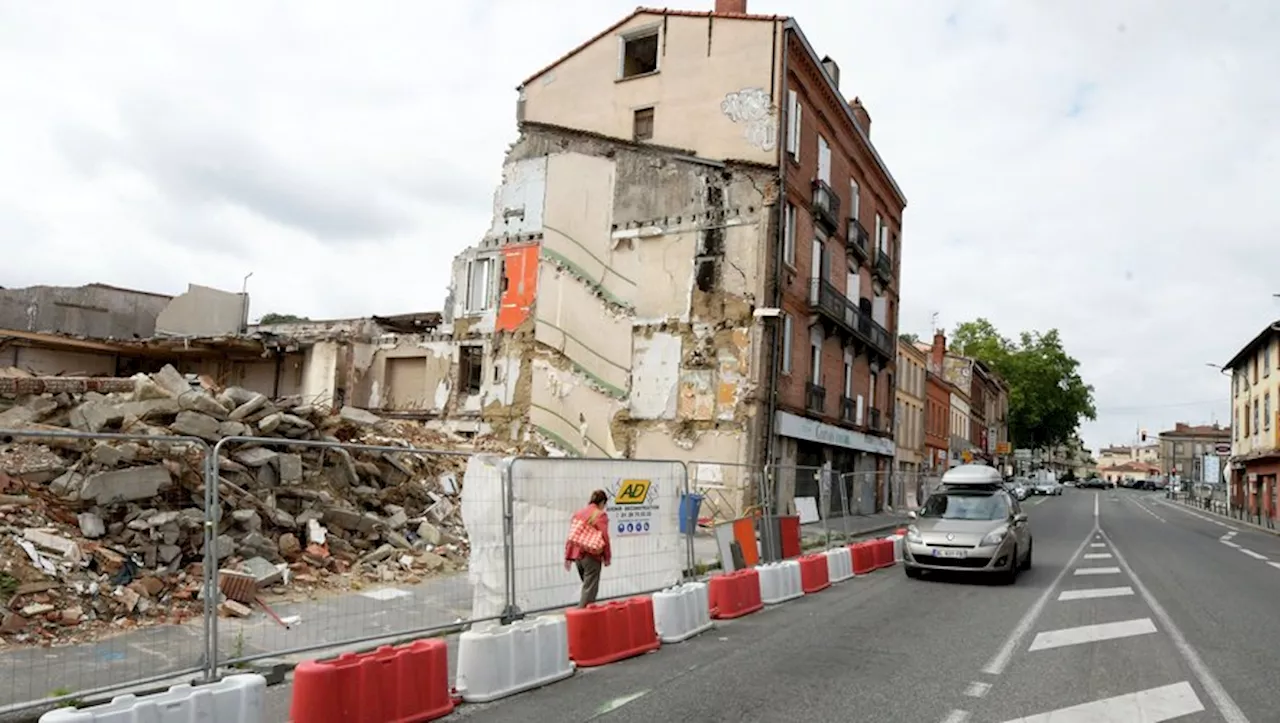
(642, 127)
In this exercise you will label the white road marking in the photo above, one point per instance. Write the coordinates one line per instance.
(386, 593)
(1193, 513)
(1253, 554)
(977, 689)
(617, 703)
(1226, 705)
(1097, 556)
(1276, 565)
(1144, 509)
(956, 716)
(1091, 593)
(1229, 543)
(1002, 657)
(1097, 571)
(1091, 634)
(1097, 544)
(1095, 508)
(1149, 706)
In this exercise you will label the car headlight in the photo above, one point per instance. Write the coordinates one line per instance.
(995, 537)
(913, 534)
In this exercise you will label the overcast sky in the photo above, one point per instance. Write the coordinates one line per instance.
(1105, 167)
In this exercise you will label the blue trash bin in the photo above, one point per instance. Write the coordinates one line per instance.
(689, 506)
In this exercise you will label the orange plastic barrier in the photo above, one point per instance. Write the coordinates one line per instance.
(864, 560)
(735, 594)
(406, 684)
(606, 633)
(815, 576)
(789, 532)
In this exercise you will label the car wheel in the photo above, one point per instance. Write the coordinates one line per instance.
(1026, 564)
(912, 572)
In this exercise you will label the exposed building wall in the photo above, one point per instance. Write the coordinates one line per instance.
(638, 321)
(51, 362)
(96, 311)
(711, 93)
(204, 311)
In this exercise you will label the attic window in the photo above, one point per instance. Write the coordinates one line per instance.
(639, 54)
(642, 128)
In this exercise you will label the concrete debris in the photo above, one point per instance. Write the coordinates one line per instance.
(99, 536)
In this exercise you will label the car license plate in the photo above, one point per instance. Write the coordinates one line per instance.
(948, 553)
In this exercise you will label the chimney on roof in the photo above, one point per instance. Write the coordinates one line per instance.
(860, 112)
(833, 70)
(939, 350)
(731, 7)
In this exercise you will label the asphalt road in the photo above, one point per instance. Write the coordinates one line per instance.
(1172, 622)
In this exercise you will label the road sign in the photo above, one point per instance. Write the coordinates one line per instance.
(1003, 448)
(1223, 448)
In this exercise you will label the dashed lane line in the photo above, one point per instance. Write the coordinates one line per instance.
(1253, 554)
(1081, 571)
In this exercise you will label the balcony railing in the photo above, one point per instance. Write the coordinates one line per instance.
(858, 241)
(848, 410)
(815, 397)
(873, 420)
(826, 206)
(827, 301)
(884, 267)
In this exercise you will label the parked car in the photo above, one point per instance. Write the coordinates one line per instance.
(970, 524)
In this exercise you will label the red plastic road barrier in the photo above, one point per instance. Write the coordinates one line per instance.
(884, 553)
(815, 576)
(606, 633)
(735, 594)
(389, 685)
(864, 560)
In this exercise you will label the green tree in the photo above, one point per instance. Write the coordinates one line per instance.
(1047, 397)
(908, 338)
(274, 318)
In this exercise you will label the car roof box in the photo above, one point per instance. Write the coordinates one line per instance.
(972, 475)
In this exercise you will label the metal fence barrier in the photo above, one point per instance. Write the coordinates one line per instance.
(106, 590)
(385, 567)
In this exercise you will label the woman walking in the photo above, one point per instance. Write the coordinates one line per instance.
(588, 545)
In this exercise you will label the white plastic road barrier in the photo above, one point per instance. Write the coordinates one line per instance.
(897, 547)
(839, 564)
(682, 612)
(499, 661)
(234, 699)
(780, 582)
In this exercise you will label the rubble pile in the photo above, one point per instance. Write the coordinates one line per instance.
(108, 534)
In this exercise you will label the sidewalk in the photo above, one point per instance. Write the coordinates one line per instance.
(1218, 510)
(816, 534)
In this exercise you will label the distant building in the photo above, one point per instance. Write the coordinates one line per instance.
(909, 432)
(1116, 455)
(1183, 450)
(937, 424)
(1255, 416)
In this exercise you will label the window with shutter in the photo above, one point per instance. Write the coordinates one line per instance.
(794, 112)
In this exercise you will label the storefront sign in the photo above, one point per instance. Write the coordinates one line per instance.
(811, 430)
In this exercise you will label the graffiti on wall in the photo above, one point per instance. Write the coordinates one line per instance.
(753, 109)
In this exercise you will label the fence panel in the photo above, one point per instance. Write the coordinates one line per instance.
(102, 560)
(729, 490)
(350, 544)
(649, 551)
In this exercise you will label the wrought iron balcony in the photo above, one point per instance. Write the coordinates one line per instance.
(828, 302)
(825, 207)
(815, 398)
(884, 267)
(858, 241)
(848, 410)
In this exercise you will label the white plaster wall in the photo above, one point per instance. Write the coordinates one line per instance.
(500, 382)
(518, 203)
(662, 268)
(572, 320)
(319, 372)
(655, 376)
(203, 311)
(568, 410)
(577, 231)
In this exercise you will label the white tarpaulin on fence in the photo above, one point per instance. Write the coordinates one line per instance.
(648, 549)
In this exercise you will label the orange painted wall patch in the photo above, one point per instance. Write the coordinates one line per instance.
(520, 286)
